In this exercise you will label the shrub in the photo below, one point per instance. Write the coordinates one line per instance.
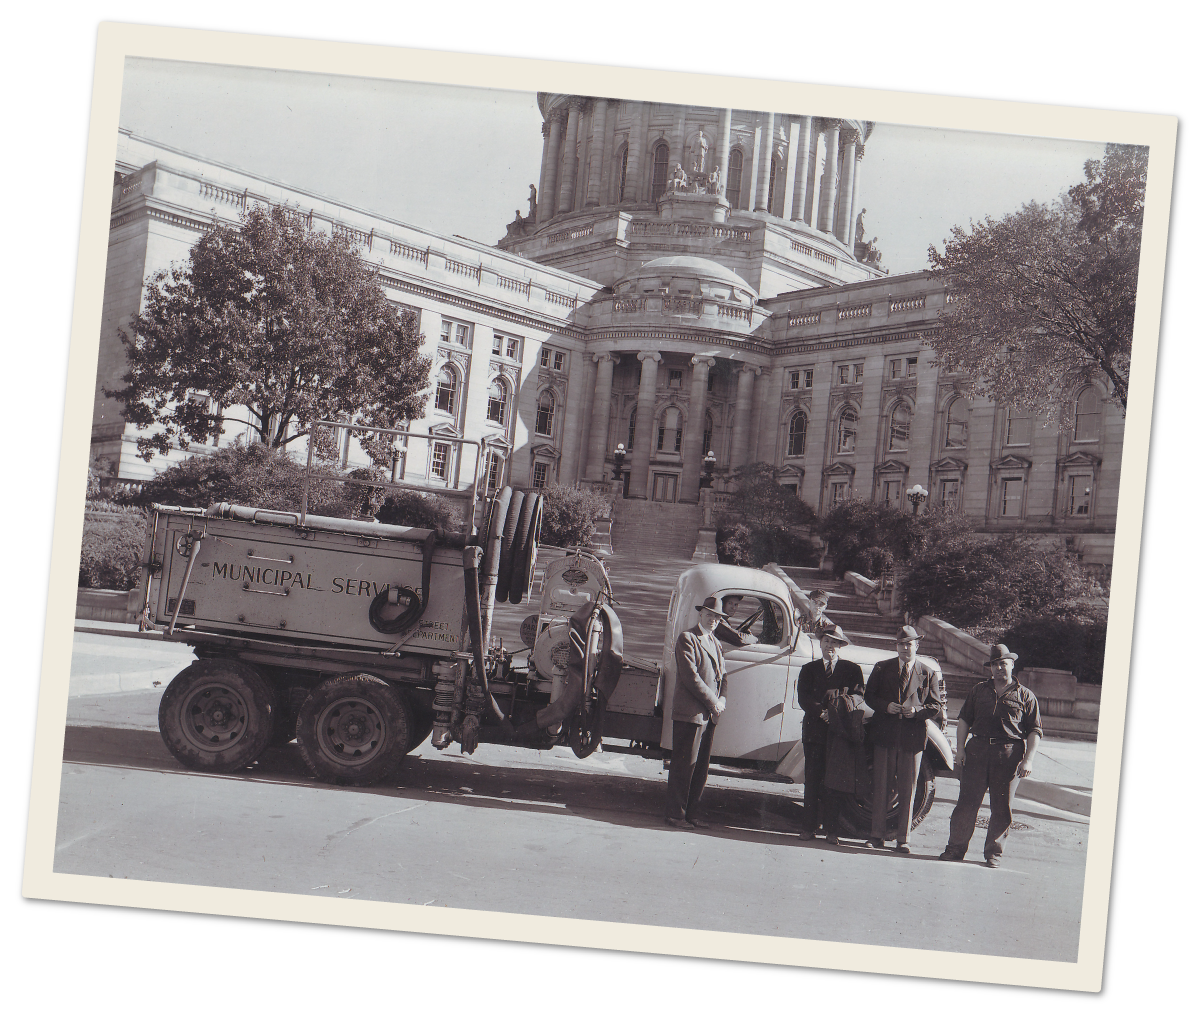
(110, 557)
(989, 581)
(754, 545)
(253, 475)
(759, 499)
(1069, 636)
(410, 508)
(570, 515)
(872, 537)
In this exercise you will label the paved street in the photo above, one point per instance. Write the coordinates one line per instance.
(543, 833)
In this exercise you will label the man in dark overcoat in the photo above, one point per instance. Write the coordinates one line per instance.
(695, 707)
(817, 679)
(903, 692)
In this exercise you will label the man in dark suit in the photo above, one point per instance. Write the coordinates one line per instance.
(815, 681)
(903, 692)
(697, 703)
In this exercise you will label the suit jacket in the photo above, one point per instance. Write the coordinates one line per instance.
(699, 676)
(891, 730)
(812, 686)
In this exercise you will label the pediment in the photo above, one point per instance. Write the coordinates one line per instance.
(891, 467)
(1010, 461)
(547, 451)
(1079, 459)
(501, 443)
(948, 464)
(791, 471)
(841, 468)
(446, 429)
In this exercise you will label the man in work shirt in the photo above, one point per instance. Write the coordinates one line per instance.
(816, 679)
(1005, 726)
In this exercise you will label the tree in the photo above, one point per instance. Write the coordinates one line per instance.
(1047, 294)
(759, 498)
(873, 537)
(278, 318)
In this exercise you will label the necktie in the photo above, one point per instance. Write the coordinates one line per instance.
(905, 678)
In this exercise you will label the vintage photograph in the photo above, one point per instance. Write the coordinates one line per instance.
(744, 500)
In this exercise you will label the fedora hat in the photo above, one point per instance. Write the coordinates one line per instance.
(835, 633)
(713, 605)
(907, 633)
(819, 595)
(999, 652)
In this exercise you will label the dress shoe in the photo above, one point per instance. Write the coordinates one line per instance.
(679, 824)
(992, 862)
(903, 848)
(700, 824)
(805, 835)
(833, 841)
(875, 843)
(950, 855)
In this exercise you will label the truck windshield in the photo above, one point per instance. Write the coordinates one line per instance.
(764, 617)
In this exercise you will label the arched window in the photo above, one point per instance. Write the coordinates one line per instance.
(497, 401)
(632, 429)
(733, 186)
(447, 390)
(956, 424)
(776, 172)
(900, 426)
(708, 429)
(624, 169)
(543, 423)
(797, 434)
(658, 172)
(670, 430)
(847, 431)
(1087, 416)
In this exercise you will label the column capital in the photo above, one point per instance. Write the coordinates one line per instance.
(577, 101)
(650, 356)
(707, 360)
(749, 367)
(545, 128)
(606, 356)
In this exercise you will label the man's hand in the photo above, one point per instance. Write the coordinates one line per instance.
(751, 639)
(1025, 768)
(960, 761)
(895, 708)
(719, 708)
(825, 716)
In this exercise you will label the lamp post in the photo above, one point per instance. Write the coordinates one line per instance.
(710, 465)
(618, 461)
(396, 454)
(916, 496)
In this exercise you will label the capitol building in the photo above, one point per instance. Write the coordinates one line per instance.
(687, 281)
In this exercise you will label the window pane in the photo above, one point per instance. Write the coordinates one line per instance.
(446, 388)
(901, 423)
(794, 381)
(1019, 429)
(847, 431)
(950, 492)
(559, 359)
(539, 475)
(544, 420)
(1080, 495)
(497, 344)
(514, 348)
(733, 188)
(956, 423)
(797, 435)
(658, 175)
(808, 378)
(1087, 417)
(1010, 497)
(441, 452)
(546, 357)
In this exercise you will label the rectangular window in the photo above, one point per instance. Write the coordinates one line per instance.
(540, 472)
(838, 491)
(545, 358)
(1018, 429)
(808, 379)
(794, 380)
(493, 474)
(949, 492)
(891, 492)
(1010, 497)
(675, 378)
(439, 460)
(497, 344)
(454, 332)
(1080, 495)
(858, 372)
(560, 360)
(843, 375)
(513, 349)
(896, 368)
(446, 330)
(910, 367)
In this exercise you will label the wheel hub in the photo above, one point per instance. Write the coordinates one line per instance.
(351, 731)
(214, 717)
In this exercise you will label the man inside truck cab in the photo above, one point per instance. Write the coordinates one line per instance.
(725, 631)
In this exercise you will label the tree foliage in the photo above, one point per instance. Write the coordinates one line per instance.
(755, 545)
(872, 537)
(408, 507)
(1047, 294)
(758, 498)
(110, 556)
(278, 318)
(569, 515)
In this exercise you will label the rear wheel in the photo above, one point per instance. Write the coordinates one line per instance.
(354, 729)
(217, 714)
(856, 814)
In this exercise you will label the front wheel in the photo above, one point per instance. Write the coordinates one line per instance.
(217, 715)
(354, 729)
(856, 814)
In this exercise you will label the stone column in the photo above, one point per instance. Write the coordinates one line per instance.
(789, 174)
(574, 439)
(548, 199)
(761, 381)
(599, 115)
(801, 182)
(606, 157)
(601, 406)
(723, 147)
(741, 416)
(765, 165)
(646, 430)
(693, 435)
(846, 190)
(814, 181)
(566, 190)
(676, 140)
(829, 180)
(750, 182)
(541, 194)
(854, 195)
(637, 145)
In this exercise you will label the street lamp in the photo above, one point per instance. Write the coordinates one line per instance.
(618, 461)
(916, 496)
(710, 465)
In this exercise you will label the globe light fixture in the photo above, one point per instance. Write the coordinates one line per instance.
(618, 461)
(916, 496)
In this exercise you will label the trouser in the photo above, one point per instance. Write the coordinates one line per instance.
(691, 749)
(899, 767)
(990, 768)
(814, 786)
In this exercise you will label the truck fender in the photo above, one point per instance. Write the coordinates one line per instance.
(938, 752)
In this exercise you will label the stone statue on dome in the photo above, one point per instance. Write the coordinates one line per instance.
(679, 178)
(532, 202)
(699, 154)
(860, 229)
(714, 181)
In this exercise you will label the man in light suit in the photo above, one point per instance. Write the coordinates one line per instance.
(903, 692)
(697, 703)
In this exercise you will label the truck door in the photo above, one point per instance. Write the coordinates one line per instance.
(756, 683)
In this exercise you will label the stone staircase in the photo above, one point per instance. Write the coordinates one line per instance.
(641, 527)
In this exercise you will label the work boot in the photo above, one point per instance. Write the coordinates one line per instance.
(950, 855)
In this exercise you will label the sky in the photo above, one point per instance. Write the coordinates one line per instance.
(460, 160)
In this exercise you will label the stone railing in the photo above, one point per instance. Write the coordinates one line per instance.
(570, 233)
(466, 270)
(696, 230)
(803, 319)
(812, 251)
(679, 304)
(353, 235)
(906, 305)
(222, 195)
(399, 249)
(513, 285)
(629, 305)
(570, 301)
(854, 312)
(734, 312)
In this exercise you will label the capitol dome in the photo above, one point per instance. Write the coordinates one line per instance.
(686, 275)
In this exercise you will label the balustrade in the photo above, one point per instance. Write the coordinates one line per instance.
(736, 312)
(399, 249)
(570, 301)
(854, 312)
(466, 270)
(811, 251)
(570, 233)
(513, 285)
(681, 304)
(696, 230)
(905, 305)
(629, 305)
(803, 319)
(209, 191)
(355, 236)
